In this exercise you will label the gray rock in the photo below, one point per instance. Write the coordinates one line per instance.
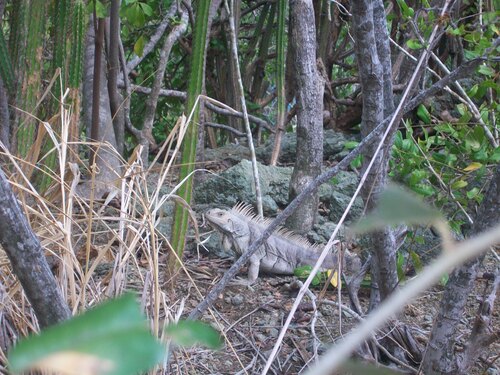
(236, 185)
(338, 204)
(333, 144)
(273, 332)
(237, 300)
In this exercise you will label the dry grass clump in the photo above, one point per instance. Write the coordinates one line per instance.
(98, 245)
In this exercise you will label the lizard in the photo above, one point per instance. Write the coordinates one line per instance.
(282, 253)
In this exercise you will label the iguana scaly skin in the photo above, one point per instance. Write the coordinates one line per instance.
(283, 251)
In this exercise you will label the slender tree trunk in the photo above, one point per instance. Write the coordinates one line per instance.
(107, 161)
(113, 70)
(309, 93)
(4, 117)
(440, 356)
(28, 260)
(374, 62)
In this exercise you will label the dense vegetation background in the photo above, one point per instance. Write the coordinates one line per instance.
(98, 96)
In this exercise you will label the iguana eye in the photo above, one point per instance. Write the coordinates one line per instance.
(220, 213)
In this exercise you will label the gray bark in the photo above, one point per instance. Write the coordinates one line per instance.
(309, 94)
(108, 163)
(28, 260)
(4, 116)
(374, 63)
(440, 356)
(113, 70)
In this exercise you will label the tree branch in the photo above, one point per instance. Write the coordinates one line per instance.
(155, 38)
(28, 260)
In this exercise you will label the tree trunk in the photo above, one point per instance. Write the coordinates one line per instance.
(4, 117)
(309, 93)
(374, 62)
(113, 70)
(28, 260)
(440, 356)
(108, 163)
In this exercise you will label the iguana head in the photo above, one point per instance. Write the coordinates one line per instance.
(220, 220)
(226, 222)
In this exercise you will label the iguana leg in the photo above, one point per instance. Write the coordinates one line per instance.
(253, 269)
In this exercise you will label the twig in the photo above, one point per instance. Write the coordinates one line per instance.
(232, 112)
(163, 92)
(234, 52)
(225, 127)
(128, 92)
(315, 338)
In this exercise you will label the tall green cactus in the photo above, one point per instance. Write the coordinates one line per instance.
(77, 43)
(79, 25)
(6, 70)
(30, 90)
(59, 14)
(181, 215)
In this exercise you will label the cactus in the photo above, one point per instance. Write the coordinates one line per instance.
(31, 82)
(77, 44)
(180, 223)
(6, 70)
(60, 24)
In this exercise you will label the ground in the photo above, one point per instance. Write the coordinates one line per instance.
(252, 319)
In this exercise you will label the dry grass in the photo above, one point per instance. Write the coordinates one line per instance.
(97, 247)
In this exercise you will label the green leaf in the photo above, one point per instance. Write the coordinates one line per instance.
(472, 167)
(302, 271)
(416, 176)
(190, 332)
(400, 260)
(397, 206)
(417, 262)
(495, 156)
(357, 162)
(459, 184)
(414, 44)
(471, 194)
(486, 70)
(148, 11)
(425, 190)
(444, 279)
(350, 145)
(135, 15)
(139, 45)
(423, 114)
(113, 338)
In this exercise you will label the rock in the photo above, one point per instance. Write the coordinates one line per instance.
(338, 204)
(236, 185)
(229, 154)
(237, 300)
(321, 232)
(333, 144)
(273, 332)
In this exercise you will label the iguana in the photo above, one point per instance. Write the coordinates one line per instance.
(283, 251)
